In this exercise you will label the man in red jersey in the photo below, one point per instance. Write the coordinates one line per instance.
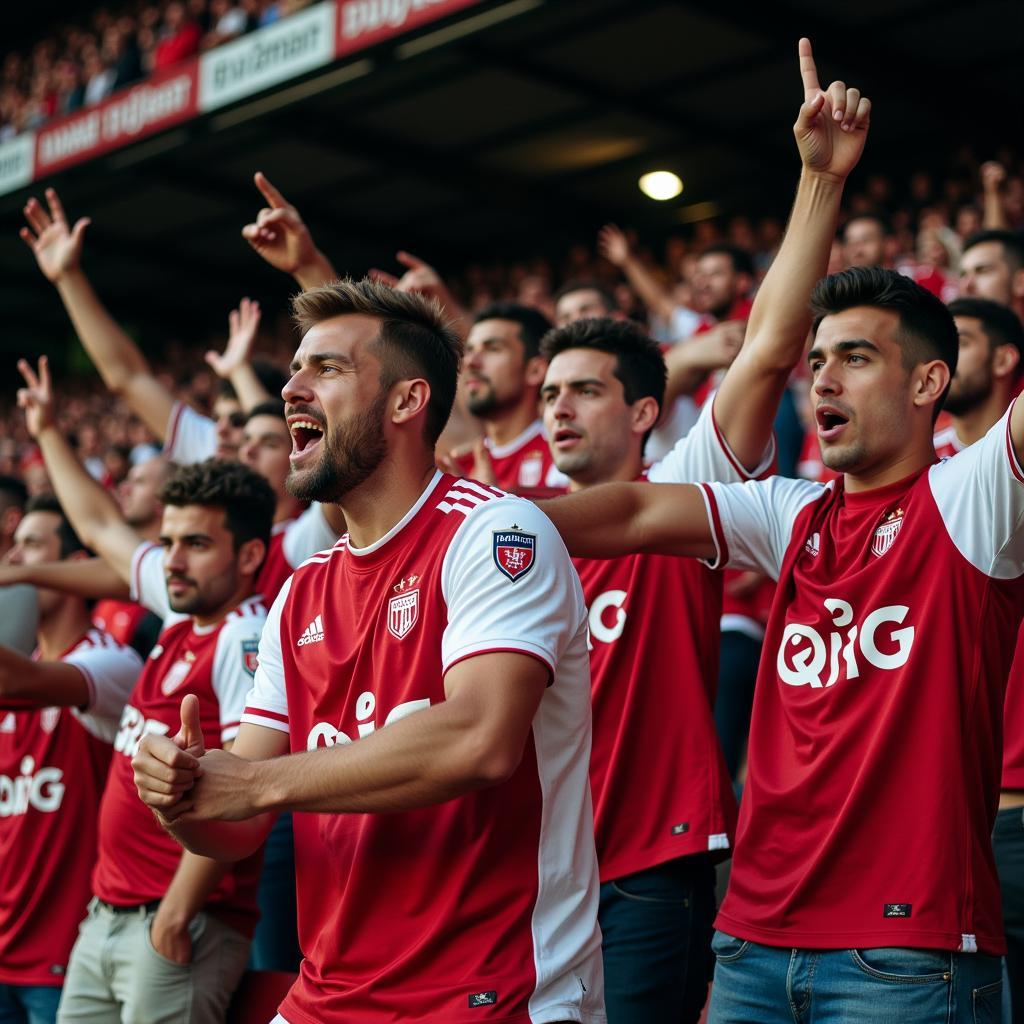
(863, 859)
(429, 676)
(502, 373)
(58, 716)
(986, 380)
(167, 934)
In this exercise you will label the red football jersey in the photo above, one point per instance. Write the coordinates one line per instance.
(291, 543)
(482, 908)
(53, 764)
(137, 858)
(876, 736)
(523, 466)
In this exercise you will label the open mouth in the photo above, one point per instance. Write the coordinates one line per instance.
(831, 422)
(306, 435)
(564, 437)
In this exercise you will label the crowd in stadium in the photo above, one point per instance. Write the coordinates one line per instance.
(314, 642)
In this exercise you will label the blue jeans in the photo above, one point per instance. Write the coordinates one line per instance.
(29, 1004)
(275, 946)
(1008, 846)
(768, 985)
(656, 946)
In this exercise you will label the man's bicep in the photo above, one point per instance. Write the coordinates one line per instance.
(673, 520)
(150, 401)
(116, 543)
(54, 684)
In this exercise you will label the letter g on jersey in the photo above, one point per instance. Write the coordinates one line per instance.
(804, 654)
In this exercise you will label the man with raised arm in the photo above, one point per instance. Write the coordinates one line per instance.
(59, 711)
(427, 679)
(863, 886)
(167, 935)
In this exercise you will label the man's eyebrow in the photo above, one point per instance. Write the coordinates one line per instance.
(844, 346)
(582, 382)
(165, 540)
(317, 358)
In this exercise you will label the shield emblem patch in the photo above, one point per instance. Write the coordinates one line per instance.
(403, 611)
(250, 648)
(514, 552)
(886, 533)
(176, 675)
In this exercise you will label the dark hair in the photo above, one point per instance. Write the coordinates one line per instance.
(1011, 241)
(246, 498)
(926, 328)
(270, 376)
(69, 540)
(742, 261)
(639, 364)
(607, 299)
(271, 407)
(533, 324)
(876, 218)
(416, 338)
(999, 322)
(13, 493)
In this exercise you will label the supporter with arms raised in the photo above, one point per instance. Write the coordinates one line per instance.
(437, 743)
(863, 886)
(59, 711)
(167, 934)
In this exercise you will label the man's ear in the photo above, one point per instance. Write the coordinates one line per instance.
(409, 399)
(932, 379)
(644, 414)
(251, 555)
(1005, 360)
(536, 369)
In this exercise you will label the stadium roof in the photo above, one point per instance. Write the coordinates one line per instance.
(507, 129)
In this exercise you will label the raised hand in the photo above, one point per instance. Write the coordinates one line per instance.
(57, 249)
(36, 398)
(283, 240)
(993, 174)
(419, 276)
(832, 124)
(613, 245)
(242, 326)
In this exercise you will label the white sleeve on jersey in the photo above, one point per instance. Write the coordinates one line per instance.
(307, 535)
(191, 437)
(704, 454)
(234, 664)
(268, 693)
(980, 497)
(148, 584)
(111, 671)
(752, 522)
(539, 612)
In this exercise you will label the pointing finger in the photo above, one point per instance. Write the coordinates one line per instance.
(808, 69)
(408, 260)
(268, 191)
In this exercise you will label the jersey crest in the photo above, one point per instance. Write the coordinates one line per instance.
(175, 677)
(250, 648)
(886, 533)
(403, 611)
(514, 552)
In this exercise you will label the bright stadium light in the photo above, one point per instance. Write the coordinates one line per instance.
(660, 185)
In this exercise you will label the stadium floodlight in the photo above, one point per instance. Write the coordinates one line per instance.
(660, 185)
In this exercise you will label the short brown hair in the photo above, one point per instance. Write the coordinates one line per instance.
(416, 338)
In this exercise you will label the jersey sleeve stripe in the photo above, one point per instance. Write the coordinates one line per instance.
(172, 433)
(764, 468)
(717, 532)
(263, 718)
(1011, 451)
(501, 647)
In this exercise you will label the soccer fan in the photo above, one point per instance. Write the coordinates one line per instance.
(864, 241)
(12, 504)
(58, 715)
(992, 267)
(502, 374)
(167, 935)
(986, 380)
(584, 300)
(438, 721)
(863, 857)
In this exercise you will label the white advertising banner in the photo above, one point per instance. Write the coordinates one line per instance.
(17, 162)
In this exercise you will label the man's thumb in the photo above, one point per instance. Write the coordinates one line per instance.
(191, 735)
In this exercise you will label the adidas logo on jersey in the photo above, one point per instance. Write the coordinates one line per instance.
(813, 544)
(314, 632)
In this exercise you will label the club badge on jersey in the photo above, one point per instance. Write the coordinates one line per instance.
(886, 533)
(403, 611)
(514, 552)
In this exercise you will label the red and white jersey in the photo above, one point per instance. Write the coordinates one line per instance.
(291, 543)
(53, 765)
(875, 742)
(191, 436)
(947, 442)
(483, 907)
(137, 858)
(654, 670)
(524, 465)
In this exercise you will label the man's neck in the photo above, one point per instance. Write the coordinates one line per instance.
(287, 508)
(628, 471)
(506, 427)
(382, 501)
(974, 425)
(891, 472)
(66, 624)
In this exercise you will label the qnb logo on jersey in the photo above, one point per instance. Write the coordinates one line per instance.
(314, 633)
(134, 725)
(42, 790)
(599, 616)
(806, 658)
(323, 734)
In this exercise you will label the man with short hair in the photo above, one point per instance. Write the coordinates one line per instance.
(992, 267)
(167, 935)
(58, 715)
(584, 300)
(501, 374)
(429, 677)
(864, 238)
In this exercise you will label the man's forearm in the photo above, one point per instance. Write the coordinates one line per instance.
(248, 388)
(655, 297)
(194, 881)
(316, 273)
(93, 578)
